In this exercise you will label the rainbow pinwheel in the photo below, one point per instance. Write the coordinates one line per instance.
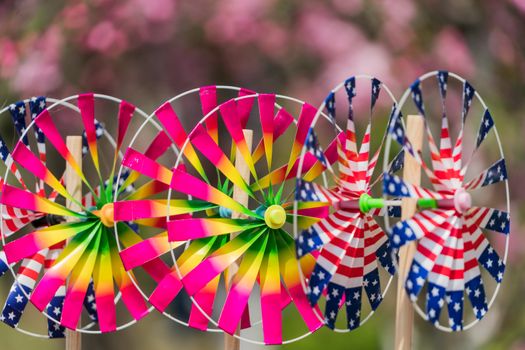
(450, 233)
(348, 242)
(151, 212)
(85, 264)
(15, 219)
(261, 244)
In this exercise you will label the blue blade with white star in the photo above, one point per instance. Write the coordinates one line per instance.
(415, 280)
(309, 240)
(384, 255)
(90, 303)
(334, 298)
(99, 131)
(492, 262)
(55, 330)
(397, 163)
(477, 297)
(353, 307)
(372, 285)
(468, 95)
(417, 96)
(311, 192)
(376, 89)
(474, 288)
(490, 219)
(350, 89)
(15, 304)
(393, 185)
(454, 301)
(442, 78)
(487, 123)
(435, 302)
(497, 172)
(3, 263)
(319, 279)
(36, 106)
(330, 106)
(312, 146)
(18, 114)
(16, 301)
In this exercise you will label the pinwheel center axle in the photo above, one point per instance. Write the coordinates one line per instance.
(365, 203)
(106, 214)
(462, 200)
(47, 220)
(275, 216)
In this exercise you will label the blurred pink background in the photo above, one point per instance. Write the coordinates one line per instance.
(149, 50)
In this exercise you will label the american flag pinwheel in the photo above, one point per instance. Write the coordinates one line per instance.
(350, 246)
(80, 255)
(450, 229)
(261, 244)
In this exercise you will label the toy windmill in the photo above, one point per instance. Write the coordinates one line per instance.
(264, 247)
(349, 244)
(86, 267)
(452, 246)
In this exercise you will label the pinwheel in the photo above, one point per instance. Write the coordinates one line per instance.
(348, 242)
(261, 243)
(15, 219)
(150, 212)
(451, 232)
(84, 265)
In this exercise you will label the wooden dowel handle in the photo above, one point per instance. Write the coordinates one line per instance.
(411, 175)
(240, 196)
(74, 187)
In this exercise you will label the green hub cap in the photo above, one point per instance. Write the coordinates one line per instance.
(275, 216)
(366, 203)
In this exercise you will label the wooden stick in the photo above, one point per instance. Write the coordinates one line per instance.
(74, 187)
(412, 175)
(240, 196)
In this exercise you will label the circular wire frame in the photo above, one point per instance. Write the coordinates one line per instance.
(65, 102)
(151, 119)
(388, 143)
(179, 160)
(330, 169)
(15, 281)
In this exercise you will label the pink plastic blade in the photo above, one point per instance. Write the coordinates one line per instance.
(242, 285)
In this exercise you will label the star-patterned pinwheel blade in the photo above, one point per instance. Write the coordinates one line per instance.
(454, 259)
(349, 245)
(70, 260)
(218, 231)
